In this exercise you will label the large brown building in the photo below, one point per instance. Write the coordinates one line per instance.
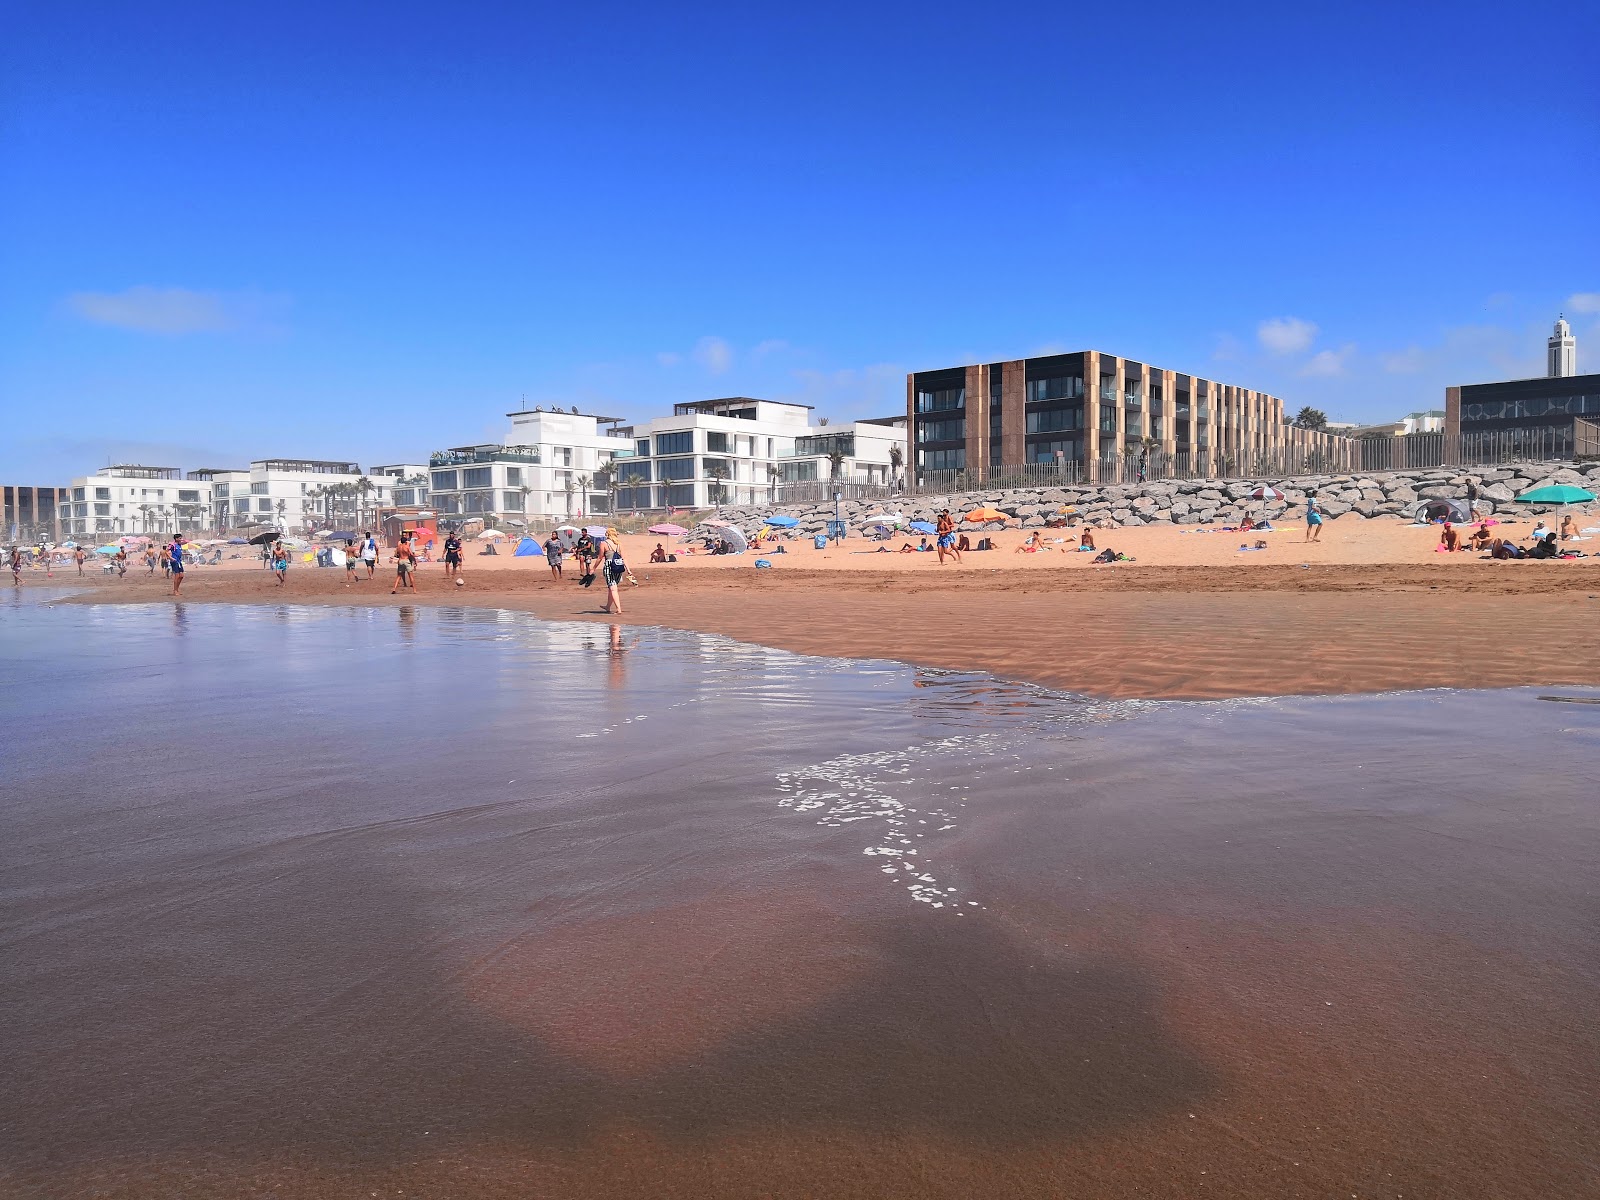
(33, 513)
(1092, 407)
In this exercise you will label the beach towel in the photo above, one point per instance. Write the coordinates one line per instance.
(761, 562)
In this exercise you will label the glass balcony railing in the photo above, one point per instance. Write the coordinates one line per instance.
(485, 454)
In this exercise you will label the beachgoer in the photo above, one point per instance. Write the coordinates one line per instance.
(120, 561)
(554, 552)
(350, 563)
(1472, 495)
(78, 556)
(16, 566)
(1540, 529)
(369, 553)
(150, 558)
(280, 562)
(1480, 537)
(1313, 518)
(1545, 547)
(1449, 538)
(1569, 527)
(659, 554)
(164, 557)
(174, 555)
(405, 566)
(452, 556)
(583, 551)
(946, 534)
(1086, 541)
(614, 569)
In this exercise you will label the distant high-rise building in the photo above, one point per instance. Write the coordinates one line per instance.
(1563, 351)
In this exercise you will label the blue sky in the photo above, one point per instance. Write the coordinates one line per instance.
(368, 231)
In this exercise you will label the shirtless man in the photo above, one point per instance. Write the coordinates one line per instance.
(405, 566)
(946, 534)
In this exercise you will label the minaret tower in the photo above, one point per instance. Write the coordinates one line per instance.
(1563, 350)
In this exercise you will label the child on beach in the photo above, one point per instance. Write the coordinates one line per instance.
(1313, 518)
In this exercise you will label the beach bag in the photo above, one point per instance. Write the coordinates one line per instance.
(761, 562)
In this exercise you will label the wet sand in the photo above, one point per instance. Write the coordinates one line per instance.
(444, 903)
(1197, 631)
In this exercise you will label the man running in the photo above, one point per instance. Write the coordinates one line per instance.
(554, 553)
(452, 557)
(150, 557)
(350, 561)
(946, 531)
(174, 554)
(369, 554)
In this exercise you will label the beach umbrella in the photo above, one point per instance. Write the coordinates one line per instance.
(980, 515)
(1557, 493)
(69, 545)
(264, 537)
(669, 530)
(1266, 493)
(132, 539)
(735, 538)
(782, 522)
(887, 520)
(106, 549)
(490, 534)
(923, 527)
(237, 542)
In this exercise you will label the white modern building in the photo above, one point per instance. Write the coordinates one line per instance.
(402, 485)
(552, 466)
(741, 450)
(133, 499)
(1563, 350)
(300, 495)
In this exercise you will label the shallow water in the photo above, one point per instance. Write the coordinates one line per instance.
(457, 902)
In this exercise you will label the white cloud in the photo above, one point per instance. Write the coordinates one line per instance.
(669, 358)
(1584, 302)
(1328, 363)
(1287, 335)
(1410, 361)
(714, 354)
(174, 311)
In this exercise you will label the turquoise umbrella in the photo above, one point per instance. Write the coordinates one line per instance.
(1557, 493)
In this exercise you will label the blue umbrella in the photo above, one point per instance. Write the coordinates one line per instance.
(237, 542)
(105, 549)
(922, 527)
(783, 522)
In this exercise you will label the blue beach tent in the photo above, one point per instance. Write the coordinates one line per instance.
(528, 548)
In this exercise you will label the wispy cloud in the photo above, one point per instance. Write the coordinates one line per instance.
(1584, 302)
(175, 311)
(768, 347)
(1286, 335)
(669, 358)
(714, 354)
(1328, 363)
(1413, 360)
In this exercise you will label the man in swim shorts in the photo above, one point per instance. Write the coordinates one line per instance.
(175, 563)
(452, 556)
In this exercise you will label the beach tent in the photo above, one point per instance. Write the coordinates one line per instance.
(528, 548)
(1442, 510)
(736, 540)
(567, 535)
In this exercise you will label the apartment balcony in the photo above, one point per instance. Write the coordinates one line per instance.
(467, 456)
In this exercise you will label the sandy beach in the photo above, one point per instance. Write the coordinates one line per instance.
(1372, 607)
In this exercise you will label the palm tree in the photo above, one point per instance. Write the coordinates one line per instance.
(631, 481)
(364, 487)
(835, 462)
(584, 484)
(717, 475)
(282, 506)
(897, 458)
(144, 518)
(315, 495)
(773, 475)
(605, 480)
(569, 487)
(526, 492)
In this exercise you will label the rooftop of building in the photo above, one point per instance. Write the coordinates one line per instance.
(552, 410)
(1141, 363)
(1563, 381)
(311, 466)
(205, 473)
(712, 407)
(140, 471)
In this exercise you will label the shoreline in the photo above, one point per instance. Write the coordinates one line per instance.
(1128, 632)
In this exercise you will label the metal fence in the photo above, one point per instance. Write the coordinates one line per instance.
(1488, 448)
(1138, 468)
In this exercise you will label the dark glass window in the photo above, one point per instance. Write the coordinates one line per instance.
(680, 495)
(440, 481)
(943, 460)
(1051, 420)
(942, 400)
(1044, 452)
(1108, 418)
(477, 477)
(716, 442)
(1108, 387)
(952, 429)
(675, 468)
(675, 443)
(1062, 387)
(634, 472)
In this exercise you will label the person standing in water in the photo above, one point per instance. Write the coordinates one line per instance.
(175, 563)
(15, 558)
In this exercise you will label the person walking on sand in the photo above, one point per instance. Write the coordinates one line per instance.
(120, 560)
(164, 556)
(945, 532)
(1313, 517)
(369, 554)
(175, 563)
(78, 556)
(452, 557)
(16, 566)
(554, 553)
(350, 563)
(280, 562)
(405, 566)
(150, 557)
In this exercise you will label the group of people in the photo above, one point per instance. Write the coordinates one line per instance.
(1544, 542)
(589, 552)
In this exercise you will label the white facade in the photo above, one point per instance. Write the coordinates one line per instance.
(1431, 421)
(404, 485)
(132, 499)
(552, 466)
(1563, 351)
(300, 495)
(739, 450)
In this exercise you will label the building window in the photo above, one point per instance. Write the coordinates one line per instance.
(642, 449)
(447, 504)
(1045, 452)
(634, 472)
(633, 498)
(443, 481)
(478, 502)
(716, 442)
(188, 497)
(942, 400)
(943, 460)
(512, 501)
(264, 506)
(258, 489)
(405, 497)
(514, 477)
(1156, 427)
(1108, 388)
(675, 443)
(675, 468)
(1108, 419)
(102, 493)
(680, 495)
(102, 510)
(477, 477)
(1062, 387)
(799, 472)
(1052, 419)
(951, 429)
(563, 456)
(77, 493)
